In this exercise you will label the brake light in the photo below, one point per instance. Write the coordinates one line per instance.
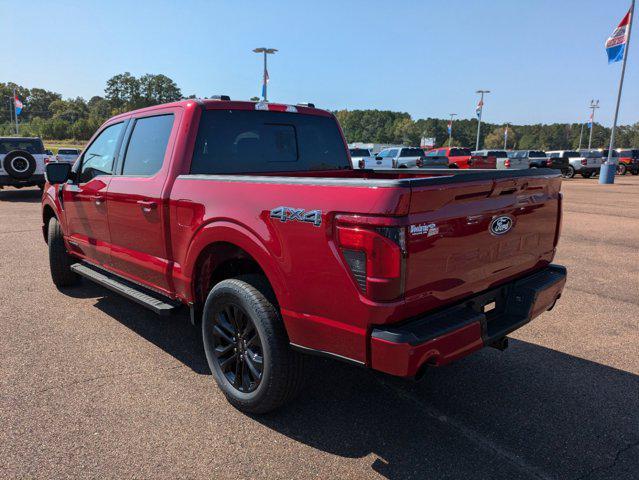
(584, 161)
(47, 160)
(375, 256)
(362, 163)
(507, 163)
(275, 107)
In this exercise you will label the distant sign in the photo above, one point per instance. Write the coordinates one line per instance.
(427, 142)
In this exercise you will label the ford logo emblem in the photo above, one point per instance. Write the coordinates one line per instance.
(501, 225)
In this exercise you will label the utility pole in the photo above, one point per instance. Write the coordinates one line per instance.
(594, 104)
(581, 134)
(265, 51)
(505, 136)
(609, 168)
(479, 110)
(450, 129)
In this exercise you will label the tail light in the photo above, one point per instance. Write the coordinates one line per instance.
(375, 256)
(507, 163)
(47, 160)
(362, 163)
(419, 162)
(584, 161)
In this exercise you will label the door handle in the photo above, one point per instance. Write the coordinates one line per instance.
(147, 205)
(97, 199)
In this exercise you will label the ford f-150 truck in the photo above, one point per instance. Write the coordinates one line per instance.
(251, 215)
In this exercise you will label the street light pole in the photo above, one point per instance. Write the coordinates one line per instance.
(450, 129)
(594, 104)
(480, 110)
(265, 51)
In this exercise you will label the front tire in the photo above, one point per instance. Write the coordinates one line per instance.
(59, 260)
(247, 348)
(621, 169)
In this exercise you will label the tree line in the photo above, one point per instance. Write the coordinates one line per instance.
(48, 115)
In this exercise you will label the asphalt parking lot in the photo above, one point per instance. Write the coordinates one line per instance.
(92, 385)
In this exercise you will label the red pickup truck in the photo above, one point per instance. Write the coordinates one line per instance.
(251, 215)
(459, 157)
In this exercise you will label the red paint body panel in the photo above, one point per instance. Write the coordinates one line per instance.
(466, 161)
(322, 306)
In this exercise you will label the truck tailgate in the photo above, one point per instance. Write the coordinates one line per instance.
(467, 237)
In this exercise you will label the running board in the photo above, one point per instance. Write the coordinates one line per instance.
(147, 298)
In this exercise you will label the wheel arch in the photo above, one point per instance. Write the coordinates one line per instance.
(48, 213)
(222, 250)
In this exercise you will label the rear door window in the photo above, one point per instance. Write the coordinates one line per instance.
(248, 141)
(32, 145)
(147, 145)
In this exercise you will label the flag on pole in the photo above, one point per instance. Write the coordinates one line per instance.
(590, 121)
(480, 105)
(18, 105)
(265, 82)
(449, 129)
(616, 43)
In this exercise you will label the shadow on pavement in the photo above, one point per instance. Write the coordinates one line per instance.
(529, 412)
(22, 195)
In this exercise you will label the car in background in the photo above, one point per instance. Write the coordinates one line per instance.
(22, 161)
(68, 155)
(588, 163)
(403, 157)
(503, 160)
(459, 157)
(627, 159)
(535, 158)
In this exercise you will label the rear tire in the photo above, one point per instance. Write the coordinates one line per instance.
(570, 172)
(247, 348)
(586, 174)
(59, 259)
(621, 169)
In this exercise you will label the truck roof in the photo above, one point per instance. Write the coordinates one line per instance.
(217, 104)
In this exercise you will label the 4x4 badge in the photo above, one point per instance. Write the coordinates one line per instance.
(289, 214)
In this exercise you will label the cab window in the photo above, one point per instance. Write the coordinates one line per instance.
(98, 158)
(147, 145)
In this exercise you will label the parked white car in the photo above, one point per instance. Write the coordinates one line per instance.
(363, 158)
(68, 155)
(411, 157)
(22, 161)
(584, 162)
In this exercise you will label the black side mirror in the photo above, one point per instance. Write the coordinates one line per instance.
(58, 172)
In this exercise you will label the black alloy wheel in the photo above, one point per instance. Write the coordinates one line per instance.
(238, 348)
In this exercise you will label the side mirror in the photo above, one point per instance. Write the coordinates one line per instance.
(57, 172)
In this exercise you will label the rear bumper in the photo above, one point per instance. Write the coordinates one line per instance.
(442, 337)
(6, 180)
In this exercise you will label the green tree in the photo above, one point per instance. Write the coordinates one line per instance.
(123, 91)
(157, 89)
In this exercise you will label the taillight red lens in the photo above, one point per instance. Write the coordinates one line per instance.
(507, 163)
(375, 257)
(584, 161)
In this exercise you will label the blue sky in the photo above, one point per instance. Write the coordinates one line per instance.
(543, 60)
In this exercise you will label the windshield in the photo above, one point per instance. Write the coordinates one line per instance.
(360, 152)
(255, 141)
(32, 145)
(412, 152)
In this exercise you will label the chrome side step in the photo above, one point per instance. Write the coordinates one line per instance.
(147, 298)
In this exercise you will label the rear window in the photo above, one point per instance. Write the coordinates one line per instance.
(359, 152)
(571, 154)
(68, 151)
(247, 141)
(537, 153)
(591, 154)
(459, 152)
(411, 152)
(497, 154)
(31, 145)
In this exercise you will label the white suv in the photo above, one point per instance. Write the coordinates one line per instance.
(22, 161)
